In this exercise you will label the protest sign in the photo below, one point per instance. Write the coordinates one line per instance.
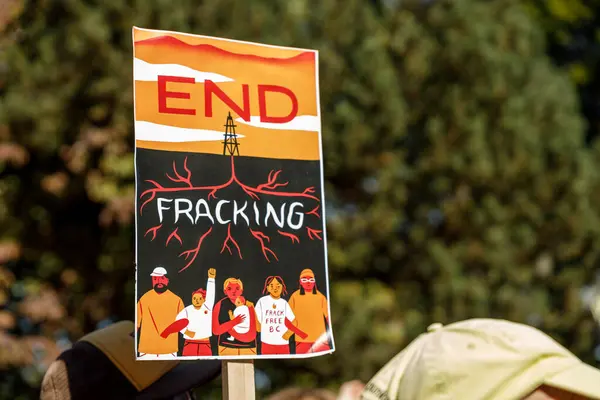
(231, 257)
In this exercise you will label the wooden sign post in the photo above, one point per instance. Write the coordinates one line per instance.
(238, 380)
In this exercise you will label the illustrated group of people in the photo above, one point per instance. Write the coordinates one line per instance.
(241, 327)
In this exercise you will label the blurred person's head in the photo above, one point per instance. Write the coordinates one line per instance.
(307, 282)
(198, 298)
(303, 394)
(484, 359)
(351, 390)
(102, 366)
(160, 282)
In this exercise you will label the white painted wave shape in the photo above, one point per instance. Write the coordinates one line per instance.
(144, 71)
(172, 134)
(300, 123)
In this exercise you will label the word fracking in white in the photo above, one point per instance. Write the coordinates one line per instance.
(230, 211)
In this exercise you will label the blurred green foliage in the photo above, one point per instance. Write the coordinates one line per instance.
(458, 180)
(573, 31)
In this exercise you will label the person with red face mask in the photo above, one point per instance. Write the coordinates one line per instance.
(243, 343)
(310, 308)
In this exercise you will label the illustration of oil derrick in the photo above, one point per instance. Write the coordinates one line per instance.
(230, 143)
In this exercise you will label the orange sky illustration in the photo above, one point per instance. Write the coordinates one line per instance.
(225, 44)
(245, 63)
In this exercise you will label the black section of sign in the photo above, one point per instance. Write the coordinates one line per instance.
(253, 268)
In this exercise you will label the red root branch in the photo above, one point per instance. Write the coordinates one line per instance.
(194, 252)
(230, 238)
(179, 178)
(293, 237)
(315, 211)
(268, 188)
(153, 230)
(261, 237)
(249, 192)
(313, 233)
(272, 181)
(152, 193)
(174, 235)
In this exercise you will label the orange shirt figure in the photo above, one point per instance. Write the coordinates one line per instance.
(157, 309)
(311, 311)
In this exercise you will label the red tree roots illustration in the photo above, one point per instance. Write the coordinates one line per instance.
(153, 230)
(313, 233)
(267, 188)
(174, 235)
(228, 239)
(261, 237)
(194, 252)
(315, 212)
(293, 237)
(180, 178)
(270, 188)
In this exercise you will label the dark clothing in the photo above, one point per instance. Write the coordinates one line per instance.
(102, 366)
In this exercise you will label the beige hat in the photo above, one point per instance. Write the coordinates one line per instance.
(481, 359)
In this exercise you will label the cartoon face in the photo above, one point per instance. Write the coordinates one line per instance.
(160, 283)
(197, 300)
(274, 288)
(233, 291)
(307, 282)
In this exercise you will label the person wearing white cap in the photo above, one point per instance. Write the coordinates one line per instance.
(156, 310)
(484, 359)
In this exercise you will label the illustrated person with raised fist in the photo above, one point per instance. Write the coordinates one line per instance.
(275, 318)
(311, 311)
(157, 309)
(223, 325)
(195, 321)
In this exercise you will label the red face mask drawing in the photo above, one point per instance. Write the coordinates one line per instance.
(307, 280)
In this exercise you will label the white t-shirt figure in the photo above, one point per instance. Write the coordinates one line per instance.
(272, 313)
(200, 319)
(240, 309)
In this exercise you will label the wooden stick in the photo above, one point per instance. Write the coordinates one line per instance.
(238, 380)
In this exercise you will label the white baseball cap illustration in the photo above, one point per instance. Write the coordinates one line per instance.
(159, 271)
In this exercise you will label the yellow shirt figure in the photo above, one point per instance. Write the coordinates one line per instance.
(157, 309)
(312, 315)
(310, 311)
